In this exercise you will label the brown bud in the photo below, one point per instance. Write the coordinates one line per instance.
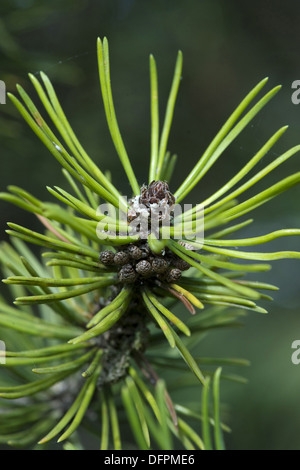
(143, 267)
(173, 275)
(181, 264)
(127, 274)
(121, 258)
(135, 252)
(106, 257)
(159, 265)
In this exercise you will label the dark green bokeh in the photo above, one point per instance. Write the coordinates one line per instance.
(227, 47)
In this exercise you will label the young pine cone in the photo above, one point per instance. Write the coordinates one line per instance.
(143, 267)
(127, 274)
(173, 275)
(135, 252)
(106, 257)
(181, 264)
(121, 258)
(159, 265)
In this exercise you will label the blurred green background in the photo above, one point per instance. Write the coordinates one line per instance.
(227, 47)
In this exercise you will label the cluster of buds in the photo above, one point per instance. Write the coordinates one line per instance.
(137, 262)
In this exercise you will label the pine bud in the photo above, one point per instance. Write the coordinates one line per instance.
(143, 267)
(135, 252)
(121, 258)
(127, 274)
(159, 265)
(106, 257)
(173, 275)
(181, 264)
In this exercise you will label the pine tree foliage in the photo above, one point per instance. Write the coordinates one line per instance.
(92, 338)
